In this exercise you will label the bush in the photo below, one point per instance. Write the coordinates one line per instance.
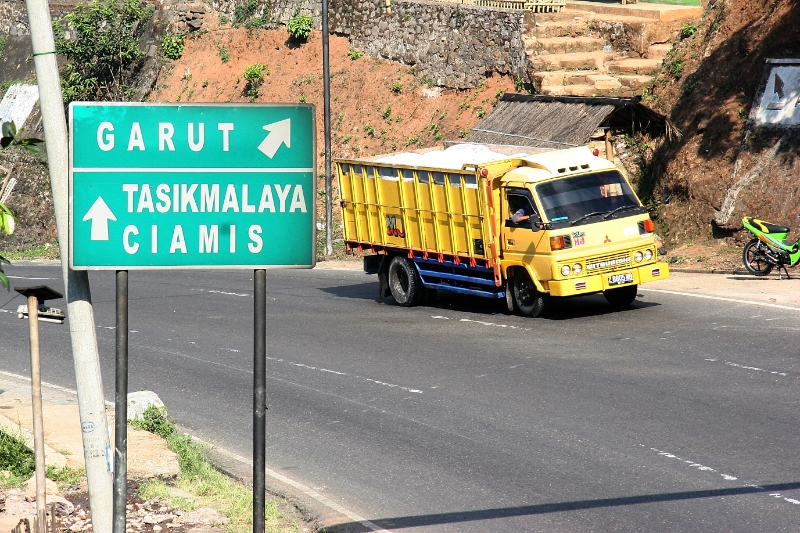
(687, 30)
(354, 54)
(254, 76)
(15, 456)
(106, 47)
(173, 45)
(300, 27)
(154, 419)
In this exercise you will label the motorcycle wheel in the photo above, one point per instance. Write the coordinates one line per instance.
(755, 258)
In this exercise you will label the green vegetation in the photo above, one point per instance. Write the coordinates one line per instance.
(369, 130)
(302, 99)
(106, 47)
(396, 87)
(354, 54)
(518, 85)
(462, 133)
(300, 26)
(687, 30)
(3, 41)
(254, 76)
(223, 54)
(480, 112)
(172, 45)
(245, 11)
(675, 65)
(387, 113)
(199, 477)
(15, 456)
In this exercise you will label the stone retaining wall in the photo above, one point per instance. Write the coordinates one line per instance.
(13, 18)
(453, 45)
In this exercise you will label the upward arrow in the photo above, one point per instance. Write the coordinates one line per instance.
(99, 214)
(279, 133)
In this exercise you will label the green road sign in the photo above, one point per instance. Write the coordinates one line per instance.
(191, 186)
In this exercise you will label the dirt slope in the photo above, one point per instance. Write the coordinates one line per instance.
(361, 89)
(722, 66)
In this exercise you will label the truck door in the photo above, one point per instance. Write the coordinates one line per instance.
(518, 238)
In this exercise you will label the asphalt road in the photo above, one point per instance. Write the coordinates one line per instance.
(679, 414)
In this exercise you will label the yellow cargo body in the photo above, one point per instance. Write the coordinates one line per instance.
(436, 211)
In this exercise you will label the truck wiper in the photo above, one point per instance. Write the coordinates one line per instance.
(584, 217)
(617, 210)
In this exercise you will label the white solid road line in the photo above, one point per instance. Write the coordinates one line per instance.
(308, 491)
(723, 298)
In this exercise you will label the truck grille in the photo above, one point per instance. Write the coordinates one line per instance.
(608, 263)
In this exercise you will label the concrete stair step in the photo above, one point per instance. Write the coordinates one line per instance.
(577, 90)
(560, 77)
(662, 12)
(567, 45)
(566, 27)
(658, 51)
(572, 61)
(634, 66)
(604, 82)
(635, 83)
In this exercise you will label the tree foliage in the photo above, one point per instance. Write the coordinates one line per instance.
(12, 137)
(100, 40)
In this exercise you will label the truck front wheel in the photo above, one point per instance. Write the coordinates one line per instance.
(404, 283)
(621, 297)
(529, 300)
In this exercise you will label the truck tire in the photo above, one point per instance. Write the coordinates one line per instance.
(529, 300)
(404, 282)
(622, 296)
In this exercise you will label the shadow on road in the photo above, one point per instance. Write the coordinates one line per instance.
(402, 522)
(560, 308)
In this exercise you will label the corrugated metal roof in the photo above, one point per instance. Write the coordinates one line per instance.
(560, 122)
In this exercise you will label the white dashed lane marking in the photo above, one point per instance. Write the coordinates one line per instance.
(726, 477)
(745, 367)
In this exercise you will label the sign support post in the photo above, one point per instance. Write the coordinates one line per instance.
(259, 396)
(121, 406)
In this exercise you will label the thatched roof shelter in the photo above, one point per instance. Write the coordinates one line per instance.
(561, 121)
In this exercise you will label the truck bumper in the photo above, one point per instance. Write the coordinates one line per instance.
(601, 282)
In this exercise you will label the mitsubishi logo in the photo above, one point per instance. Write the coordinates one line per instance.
(607, 239)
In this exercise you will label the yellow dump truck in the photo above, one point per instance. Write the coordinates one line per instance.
(521, 227)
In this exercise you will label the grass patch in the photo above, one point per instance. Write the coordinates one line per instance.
(38, 252)
(199, 477)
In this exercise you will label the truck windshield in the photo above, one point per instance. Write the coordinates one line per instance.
(587, 197)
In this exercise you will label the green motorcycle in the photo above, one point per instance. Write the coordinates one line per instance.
(769, 248)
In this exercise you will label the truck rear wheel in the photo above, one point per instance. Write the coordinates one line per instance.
(404, 282)
(622, 296)
(529, 300)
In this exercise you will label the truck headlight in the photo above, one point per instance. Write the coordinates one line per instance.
(637, 257)
(648, 254)
(577, 268)
(565, 270)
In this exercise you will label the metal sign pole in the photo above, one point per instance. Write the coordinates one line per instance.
(259, 395)
(121, 406)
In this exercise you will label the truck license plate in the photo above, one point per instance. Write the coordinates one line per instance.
(620, 279)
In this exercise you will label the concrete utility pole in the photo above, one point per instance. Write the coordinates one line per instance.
(91, 403)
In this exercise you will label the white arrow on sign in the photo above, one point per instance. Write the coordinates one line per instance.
(279, 133)
(99, 214)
